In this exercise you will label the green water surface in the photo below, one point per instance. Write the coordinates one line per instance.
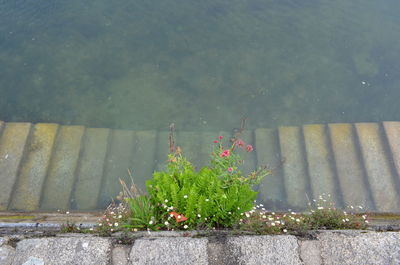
(141, 64)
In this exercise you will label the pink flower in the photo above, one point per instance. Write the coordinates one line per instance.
(225, 153)
(215, 142)
(249, 148)
(220, 137)
(240, 143)
(230, 169)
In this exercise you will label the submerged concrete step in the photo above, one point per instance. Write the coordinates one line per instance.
(61, 175)
(352, 182)
(320, 163)
(378, 171)
(144, 156)
(392, 130)
(294, 167)
(271, 189)
(162, 150)
(249, 159)
(118, 162)
(89, 174)
(61, 167)
(12, 147)
(28, 189)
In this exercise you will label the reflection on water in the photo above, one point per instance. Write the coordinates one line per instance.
(202, 64)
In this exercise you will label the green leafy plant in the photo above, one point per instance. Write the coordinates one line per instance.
(215, 196)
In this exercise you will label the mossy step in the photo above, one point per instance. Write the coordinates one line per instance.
(28, 189)
(12, 147)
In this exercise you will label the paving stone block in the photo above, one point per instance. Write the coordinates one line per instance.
(144, 157)
(29, 186)
(272, 191)
(294, 167)
(90, 171)
(12, 147)
(377, 166)
(392, 130)
(252, 250)
(360, 248)
(64, 250)
(348, 166)
(169, 251)
(320, 164)
(118, 162)
(62, 169)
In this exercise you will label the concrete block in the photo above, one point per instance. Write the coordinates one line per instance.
(169, 251)
(392, 130)
(272, 190)
(118, 162)
(120, 255)
(61, 176)
(310, 252)
(144, 156)
(29, 186)
(349, 169)
(320, 163)
(64, 250)
(294, 167)
(252, 250)
(89, 174)
(6, 252)
(360, 248)
(378, 169)
(12, 147)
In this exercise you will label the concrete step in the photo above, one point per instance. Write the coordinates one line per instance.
(294, 167)
(118, 162)
(52, 167)
(61, 174)
(378, 168)
(143, 163)
(271, 189)
(12, 147)
(353, 184)
(392, 130)
(28, 189)
(90, 172)
(320, 163)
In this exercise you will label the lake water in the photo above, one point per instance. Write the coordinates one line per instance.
(139, 64)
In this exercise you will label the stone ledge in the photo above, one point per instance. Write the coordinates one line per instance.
(328, 247)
